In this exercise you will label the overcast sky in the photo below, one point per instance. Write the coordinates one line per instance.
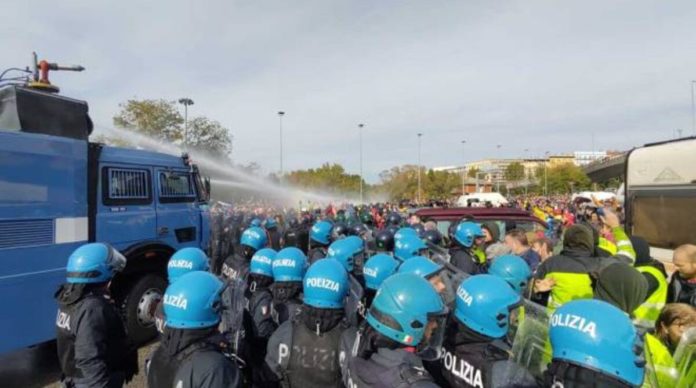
(536, 75)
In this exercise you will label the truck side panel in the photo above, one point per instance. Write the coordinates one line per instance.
(43, 218)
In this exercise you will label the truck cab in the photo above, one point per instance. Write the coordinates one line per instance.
(58, 191)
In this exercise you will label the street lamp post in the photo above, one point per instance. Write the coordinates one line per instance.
(186, 102)
(280, 118)
(463, 165)
(360, 128)
(419, 167)
(693, 108)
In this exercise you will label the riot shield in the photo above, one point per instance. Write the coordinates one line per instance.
(530, 338)
(232, 315)
(451, 276)
(355, 302)
(660, 369)
(685, 359)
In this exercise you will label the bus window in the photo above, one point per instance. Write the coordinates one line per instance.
(665, 221)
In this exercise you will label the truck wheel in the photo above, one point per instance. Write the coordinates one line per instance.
(138, 306)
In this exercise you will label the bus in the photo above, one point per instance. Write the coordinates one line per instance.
(660, 195)
(59, 191)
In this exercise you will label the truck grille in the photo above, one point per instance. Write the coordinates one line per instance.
(25, 233)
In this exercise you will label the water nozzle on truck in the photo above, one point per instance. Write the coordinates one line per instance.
(41, 70)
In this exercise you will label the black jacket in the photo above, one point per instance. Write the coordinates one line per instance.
(681, 291)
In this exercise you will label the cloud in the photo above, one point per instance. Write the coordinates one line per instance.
(537, 75)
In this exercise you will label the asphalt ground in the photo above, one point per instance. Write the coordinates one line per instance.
(139, 381)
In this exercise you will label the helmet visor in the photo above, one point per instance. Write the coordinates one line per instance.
(116, 261)
(430, 348)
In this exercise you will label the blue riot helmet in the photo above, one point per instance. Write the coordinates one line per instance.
(377, 268)
(252, 240)
(186, 260)
(408, 247)
(289, 265)
(349, 252)
(262, 262)
(270, 223)
(255, 222)
(466, 233)
(94, 263)
(403, 232)
(421, 266)
(325, 285)
(405, 310)
(596, 335)
(513, 269)
(193, 302)
(484, 304)
(321, 232)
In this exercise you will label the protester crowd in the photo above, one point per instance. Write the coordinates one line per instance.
(374, 296)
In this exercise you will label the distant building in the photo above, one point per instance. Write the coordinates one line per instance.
(583, 158)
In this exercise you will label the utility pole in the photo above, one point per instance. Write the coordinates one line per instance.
(693, 108)
(419, 167)
(186, 102)
(463, 167)
(360, 128)
(280, 117)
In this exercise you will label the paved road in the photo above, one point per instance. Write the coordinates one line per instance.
(139, 380)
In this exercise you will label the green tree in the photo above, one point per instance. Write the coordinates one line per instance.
(565, 178)
(514, 172)
(400, 183)
(155, 118)
(208, 135)
(329, 177)
(473, 172)
(440, 184)
(160, 119)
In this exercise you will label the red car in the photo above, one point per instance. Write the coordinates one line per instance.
(506, 218)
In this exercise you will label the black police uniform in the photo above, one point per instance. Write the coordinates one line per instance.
(274, 237)
(190, 358)
(93, 348)
(291, 238)
(465, 261)
(258, 327)
(316, 253)
(304, 356)
(472, 360)
(235, 267)
(388, 368)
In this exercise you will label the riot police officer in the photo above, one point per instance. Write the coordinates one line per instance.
(237, 265)
(405, 320)
(433, 236)
(377, 268)
(467, 235)
(289, 267)
(350, 252)
(594, 344)
(291, 237)
(384, 241)
(319, 241)
(476, 349)
(513, 269)
(258, 317)
(304, 351)
(408, 246)
(433, 273)
(183, 261)
(93, 349)
(274, 235)
(394, 219)
(189, 354)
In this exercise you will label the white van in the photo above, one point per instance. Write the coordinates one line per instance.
(480, 199)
